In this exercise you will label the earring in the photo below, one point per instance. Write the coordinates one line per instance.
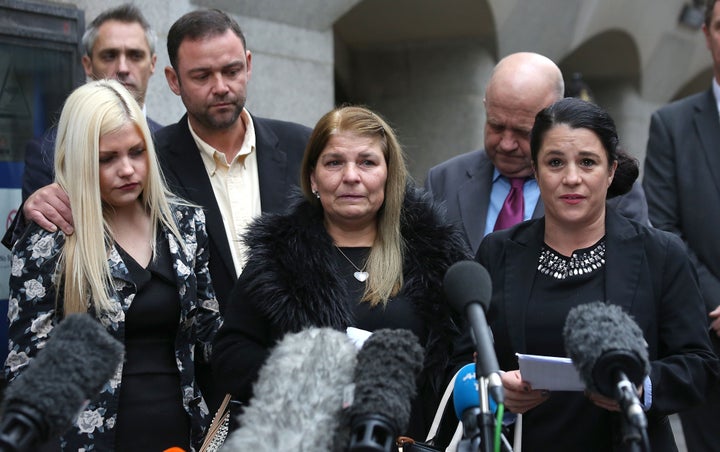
(316, 193)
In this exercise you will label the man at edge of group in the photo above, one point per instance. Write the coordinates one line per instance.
(682, 183)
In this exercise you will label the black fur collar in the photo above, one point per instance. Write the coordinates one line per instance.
(291, 267)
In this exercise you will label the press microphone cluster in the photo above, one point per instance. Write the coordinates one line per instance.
(42, 402)
(317, 392)
(610, 353)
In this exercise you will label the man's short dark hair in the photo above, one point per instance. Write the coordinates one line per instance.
(200, 24)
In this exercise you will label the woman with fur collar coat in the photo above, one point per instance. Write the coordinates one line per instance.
(361, 249)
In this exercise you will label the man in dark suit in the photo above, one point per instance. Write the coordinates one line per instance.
(474, 186)
(682, 182)
(119, 44)
(218, 155)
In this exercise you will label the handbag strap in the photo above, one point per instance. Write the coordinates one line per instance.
(441, 408)
(217, 421)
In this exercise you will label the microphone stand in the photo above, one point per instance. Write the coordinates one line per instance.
(471, 435)
(482, 436)
(487, 421)
(478, 422)
(634, 421)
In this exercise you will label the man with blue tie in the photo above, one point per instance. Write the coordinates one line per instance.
(494, 188)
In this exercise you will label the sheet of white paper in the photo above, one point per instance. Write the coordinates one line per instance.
(357, 336)
(550, 372)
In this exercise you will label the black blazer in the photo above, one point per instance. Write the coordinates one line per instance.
(648, 274)
(464, 183)
(682, 182)
(279, 145)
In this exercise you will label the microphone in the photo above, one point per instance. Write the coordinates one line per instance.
(43, 401)
(468, 289)
(299, 394)
(387, 366)
(610, 353)
(466, 400)
(465, 391)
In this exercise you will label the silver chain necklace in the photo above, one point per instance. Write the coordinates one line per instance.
(361, 275)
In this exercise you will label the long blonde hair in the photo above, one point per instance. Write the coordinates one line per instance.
(385, 263)
(91, 111)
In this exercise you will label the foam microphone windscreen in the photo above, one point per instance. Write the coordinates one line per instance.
(79, 357)
(299, 394)
(602, 339)
(468, 289)
(467, 282)
(385, 380)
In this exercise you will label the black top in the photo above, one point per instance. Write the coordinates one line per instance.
(151, 416)
(397, 313)
(550, 301)
(553, 295)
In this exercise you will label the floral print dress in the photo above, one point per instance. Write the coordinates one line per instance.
(32, 315)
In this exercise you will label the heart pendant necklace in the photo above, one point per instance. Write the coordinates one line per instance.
(360, 274)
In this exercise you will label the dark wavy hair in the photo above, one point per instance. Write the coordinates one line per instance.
(580, 114)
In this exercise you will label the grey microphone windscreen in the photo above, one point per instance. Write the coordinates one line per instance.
(602, 339)
(79, 357)
(385, 377)
(299, 394)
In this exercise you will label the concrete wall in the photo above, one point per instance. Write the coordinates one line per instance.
(431, 93)
(292, 66)
(423, 64)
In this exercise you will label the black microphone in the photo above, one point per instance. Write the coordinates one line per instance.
(610, 353)
(299, 394)
(387, 367)
(468, 289)
(79, 357)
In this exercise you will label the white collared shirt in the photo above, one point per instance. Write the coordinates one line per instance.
(236, 186)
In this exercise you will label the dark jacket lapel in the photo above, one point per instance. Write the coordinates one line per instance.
(521, 264)
(624, 256)
(474, 198)
(707, 128)
(181, 163)
(272, 167)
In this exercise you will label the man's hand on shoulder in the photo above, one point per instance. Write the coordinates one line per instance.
(49, 208)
